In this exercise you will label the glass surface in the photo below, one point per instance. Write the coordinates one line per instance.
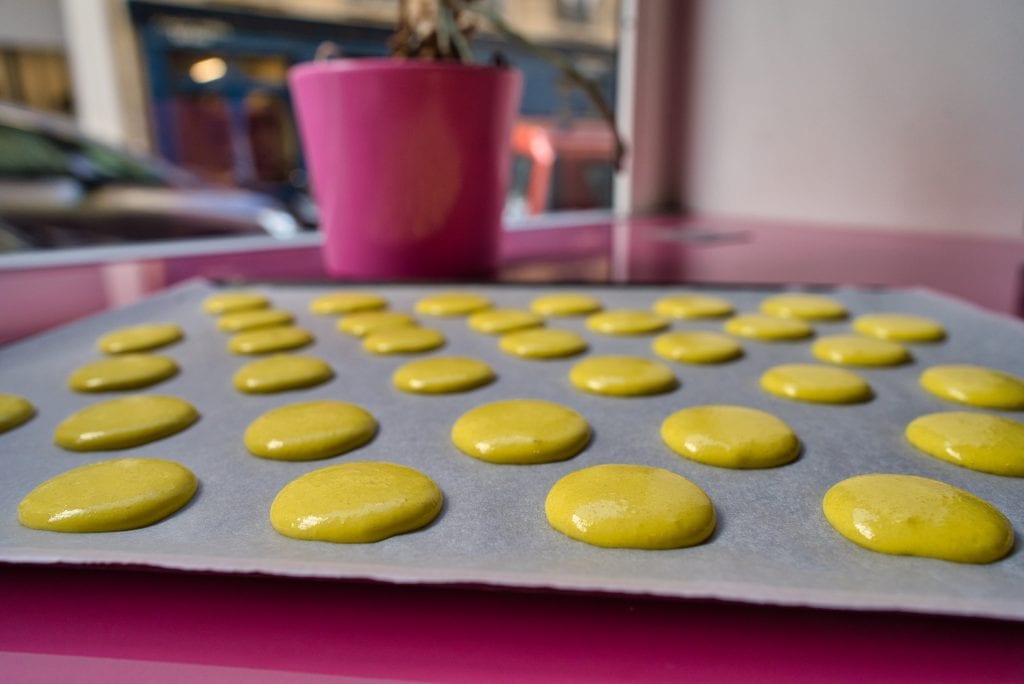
(36, 78)
(27, 155)
(267, 69)
(60, 189)
(219, 117)
(562, 147)
(207, 148)
(271, 136)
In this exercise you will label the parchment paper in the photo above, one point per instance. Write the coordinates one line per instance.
(772, 544)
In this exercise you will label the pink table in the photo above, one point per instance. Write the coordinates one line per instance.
(988, 271)
(234, 625)
(710, 250)
(108, 624)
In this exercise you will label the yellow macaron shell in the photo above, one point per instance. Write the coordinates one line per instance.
(696, 346)
(626, 322)
(126, 371)
(854, 350)
(630, 506)
(768, 328)
(730, 437)
(815, 384)
(121, 494)
(356, 503)
(622, 376)
(334, 303)
(899, 327)
(565, 304)
(230, 302)
(906, 515)
(281, 372)
(309, 430)
(124, 422)
(138, 338)
(442, 374)
(542, 343)
(521, 431)
(975, 386)
(806, 306)
(692, 306)
(990, 444)
(14, 411)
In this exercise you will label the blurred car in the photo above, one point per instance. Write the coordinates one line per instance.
(560, 165)
(61, 189)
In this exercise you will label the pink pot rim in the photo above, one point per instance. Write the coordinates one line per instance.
(391, 64)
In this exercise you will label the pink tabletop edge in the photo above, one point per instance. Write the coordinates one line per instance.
(686, 250)
(423, 633)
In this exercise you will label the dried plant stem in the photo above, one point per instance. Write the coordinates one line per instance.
(439, 29)
(567, 68)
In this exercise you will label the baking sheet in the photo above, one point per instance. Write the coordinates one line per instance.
(772, 544)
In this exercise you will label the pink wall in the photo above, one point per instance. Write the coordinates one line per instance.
(901, 114)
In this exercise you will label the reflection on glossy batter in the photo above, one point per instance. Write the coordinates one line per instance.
(281, 372)
(124, 422)
(14, 411)
(543, 344)
(403, 340)
(123, 494)
(138, 338)
(991, 444)
(768, 328)
(730, 437)
(363, 323)
(565, 304)
(692, 306)
(452, 304)
(906, 515)
(809, 306)
(442, 374)
(899, 327)
(626, 322)
(696, 346)
(975, 385)
(309, 430)
(500, 321)
(336, 303)
(630, 506)
(854, 350)
(267, 340)
(230, 302)
(817, 384)
(254, 319)
(356, 503)
(622, 376)
(127, 371)
(521, 431)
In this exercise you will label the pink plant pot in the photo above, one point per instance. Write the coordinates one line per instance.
(409, 163)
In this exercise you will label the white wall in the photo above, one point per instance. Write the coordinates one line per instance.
(91, 57)
(31, 24)
(902, 113)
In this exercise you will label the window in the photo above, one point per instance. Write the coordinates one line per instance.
(36, 79)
